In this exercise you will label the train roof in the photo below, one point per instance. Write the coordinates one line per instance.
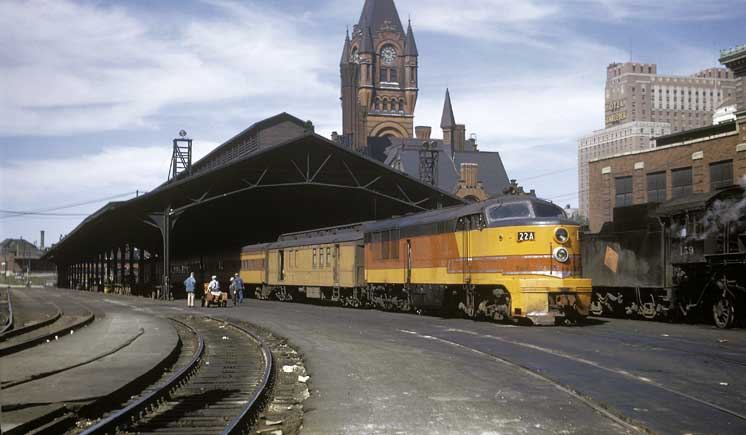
(321, 236)
(696, 201)
(456, 212)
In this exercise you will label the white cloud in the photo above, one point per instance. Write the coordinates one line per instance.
(669, 10)
(58, 182)
(83, 67)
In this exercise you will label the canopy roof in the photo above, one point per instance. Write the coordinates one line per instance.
(303, 183)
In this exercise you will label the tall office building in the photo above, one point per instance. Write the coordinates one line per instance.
(640, 105)
(635, 92)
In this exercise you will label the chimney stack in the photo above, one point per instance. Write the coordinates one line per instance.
(422, 132)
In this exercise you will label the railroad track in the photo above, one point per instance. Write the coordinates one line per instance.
(69, 316)
(7, 315)
(218, 389)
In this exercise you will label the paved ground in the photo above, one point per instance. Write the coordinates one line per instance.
(385, 373)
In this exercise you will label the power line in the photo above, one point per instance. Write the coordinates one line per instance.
(15, 213)
(559, 171)
(41, 214)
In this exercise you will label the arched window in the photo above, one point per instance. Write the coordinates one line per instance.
(385, 105)
(401, 105)
(378, 104)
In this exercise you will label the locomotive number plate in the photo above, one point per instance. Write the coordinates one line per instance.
(524, 236)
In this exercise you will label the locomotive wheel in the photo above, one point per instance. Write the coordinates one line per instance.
(723, 312)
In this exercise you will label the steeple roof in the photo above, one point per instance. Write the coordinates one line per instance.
(346, 51)
(376, 12)
(447, 120)
(367, 45)
(410, 46)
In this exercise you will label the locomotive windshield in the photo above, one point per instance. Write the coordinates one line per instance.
(523, 210)
(513, 210)
(543, 210)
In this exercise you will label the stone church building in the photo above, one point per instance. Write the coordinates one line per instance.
(379, 89)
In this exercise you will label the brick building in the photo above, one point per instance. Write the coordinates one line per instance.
(641, 104)
(693, 161)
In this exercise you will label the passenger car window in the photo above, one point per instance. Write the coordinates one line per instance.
(514, 210)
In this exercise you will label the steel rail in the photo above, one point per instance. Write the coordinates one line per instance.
(241, 420)
(9, 321)
(4, 335)
(14, 348)
(121, 418)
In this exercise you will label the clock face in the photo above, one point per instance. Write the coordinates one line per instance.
(388, 55)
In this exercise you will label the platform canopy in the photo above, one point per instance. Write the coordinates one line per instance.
(302, 183)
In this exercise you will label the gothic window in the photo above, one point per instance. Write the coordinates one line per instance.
(393, 76)
(378, 104)
(385, 105)
(401, 105)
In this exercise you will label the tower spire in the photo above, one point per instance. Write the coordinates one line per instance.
(367, 45)
(447, 121)
(410, 46)
(346, 50)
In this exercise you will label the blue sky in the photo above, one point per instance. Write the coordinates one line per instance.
(92, 92)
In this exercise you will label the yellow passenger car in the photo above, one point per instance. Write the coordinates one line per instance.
(324, 264)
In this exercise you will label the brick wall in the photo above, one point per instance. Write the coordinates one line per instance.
(698, 155)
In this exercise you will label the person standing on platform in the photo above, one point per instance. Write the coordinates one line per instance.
(239, 288)
(189, 284)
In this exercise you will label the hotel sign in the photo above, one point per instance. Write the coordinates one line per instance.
(619, 115)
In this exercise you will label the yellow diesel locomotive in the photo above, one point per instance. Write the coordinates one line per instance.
(511, 258)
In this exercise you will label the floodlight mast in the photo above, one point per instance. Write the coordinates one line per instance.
(181, 159)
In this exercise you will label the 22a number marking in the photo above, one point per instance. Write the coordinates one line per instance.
(524, 236)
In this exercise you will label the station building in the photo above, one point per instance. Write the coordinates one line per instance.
(277, 176)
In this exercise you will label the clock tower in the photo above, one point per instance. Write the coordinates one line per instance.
(379, 77)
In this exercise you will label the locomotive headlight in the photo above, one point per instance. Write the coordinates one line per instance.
(561, 235)
(561, 255)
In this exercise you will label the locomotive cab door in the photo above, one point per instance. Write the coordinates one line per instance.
(408, 278)
(464, 226)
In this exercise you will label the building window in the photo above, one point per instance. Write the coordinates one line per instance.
(314, 259)
(721, 174)
(328, 257)
(656, 187)
(681, 182)
(623, 188)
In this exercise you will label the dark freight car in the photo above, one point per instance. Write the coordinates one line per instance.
(682, 258)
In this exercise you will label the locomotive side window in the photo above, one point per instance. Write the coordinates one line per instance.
(515, 210)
